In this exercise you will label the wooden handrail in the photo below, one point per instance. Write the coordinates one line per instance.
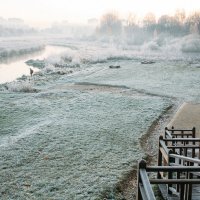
(174, 181)
(175, 130)
(185, 134)
(173, 169)
(184, 147)
(184, 158)
(144, 187)
(182, 139)
(146, 184)
(163, 145)
(168, 133)
(180, 133)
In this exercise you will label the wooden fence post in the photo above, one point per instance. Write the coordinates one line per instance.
(170, 175)
(166, 129)
(141, 165)
(193, 132)
(159, 156)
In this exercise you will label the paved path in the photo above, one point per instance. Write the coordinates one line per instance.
(187, 117)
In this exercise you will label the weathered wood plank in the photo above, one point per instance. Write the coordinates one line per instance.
(146, 184)
(193, 160)
(165, 195)
(174, 168)
(174, 181)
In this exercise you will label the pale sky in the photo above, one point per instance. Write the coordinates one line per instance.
(44, 12)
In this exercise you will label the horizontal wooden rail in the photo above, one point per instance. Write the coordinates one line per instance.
(178, 134)
(185, 158)
(175, 130)
(181, 139)
(173, 169)
(174, 181)
(184, 147)
(181, 134)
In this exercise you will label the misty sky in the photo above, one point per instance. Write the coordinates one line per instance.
(44, 12)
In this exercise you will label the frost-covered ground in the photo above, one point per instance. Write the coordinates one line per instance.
(74, 129)
(173, 79)
(66, 144)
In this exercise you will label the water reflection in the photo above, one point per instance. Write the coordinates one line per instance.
(15, 67)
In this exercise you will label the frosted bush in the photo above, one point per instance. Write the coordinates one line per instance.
(191, 44)
(152, 45)
(49, 68)
(21, 87)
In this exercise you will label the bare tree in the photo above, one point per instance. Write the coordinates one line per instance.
(131, 26)
(132, 20)
(110, 24)
(193, 22)
(149, 21)
(180, 16)
(168, 24)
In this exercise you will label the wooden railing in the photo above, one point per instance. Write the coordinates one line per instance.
(183, 149)
(178, 165)
(180, 133)
(178, 152)
(145, 191)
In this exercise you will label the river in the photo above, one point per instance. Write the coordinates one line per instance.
(15, 67)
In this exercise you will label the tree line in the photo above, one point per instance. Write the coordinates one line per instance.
(177, 25)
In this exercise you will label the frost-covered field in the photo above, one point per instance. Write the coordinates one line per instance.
(173, 79)
(65, 144)
(73, 131)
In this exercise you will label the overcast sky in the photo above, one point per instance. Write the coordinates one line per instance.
(44, 12)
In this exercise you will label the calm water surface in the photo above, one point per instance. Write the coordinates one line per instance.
(16, 67)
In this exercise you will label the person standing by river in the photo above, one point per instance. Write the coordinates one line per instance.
(31, 72)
